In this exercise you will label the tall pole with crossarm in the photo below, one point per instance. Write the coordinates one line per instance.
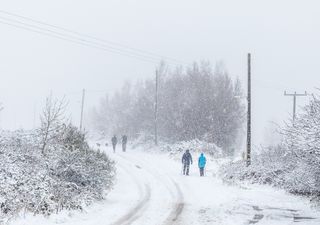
(295, 95)
(249, 113)
(156, 110)
(82, 106)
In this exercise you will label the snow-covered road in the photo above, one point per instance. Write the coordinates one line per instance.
(150, 190)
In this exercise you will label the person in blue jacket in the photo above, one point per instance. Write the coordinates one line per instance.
(202, 163)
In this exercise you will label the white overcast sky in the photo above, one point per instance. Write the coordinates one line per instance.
(282, 35)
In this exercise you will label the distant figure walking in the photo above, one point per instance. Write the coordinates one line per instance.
(124, 142)
(114, 141)
(202, 163)
(186, 161)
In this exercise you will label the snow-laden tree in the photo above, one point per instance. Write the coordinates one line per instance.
(51, 168)
(294, 163)
(302, 140)
(193, 103)
(66, 178)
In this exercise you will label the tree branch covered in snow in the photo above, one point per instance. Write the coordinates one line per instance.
(52, 119)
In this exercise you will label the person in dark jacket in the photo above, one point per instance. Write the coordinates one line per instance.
(201, 164)
(114, 141)
(186, 161)
(124, 142)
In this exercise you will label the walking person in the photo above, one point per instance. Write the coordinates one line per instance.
(114, 141)
(201, 164)
(186, 161)
(124, 142)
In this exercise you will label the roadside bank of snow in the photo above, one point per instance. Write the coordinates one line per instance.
(61, 177)
(151, 190)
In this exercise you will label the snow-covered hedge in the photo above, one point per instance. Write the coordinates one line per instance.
(195, 146)
(293, 164)
(266, 168)
(69, 176)
(176, 149)
(276, 167)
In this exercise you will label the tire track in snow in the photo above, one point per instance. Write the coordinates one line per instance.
(177, 207)
(136, 211)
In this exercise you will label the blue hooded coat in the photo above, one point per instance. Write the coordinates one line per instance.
(202, 161)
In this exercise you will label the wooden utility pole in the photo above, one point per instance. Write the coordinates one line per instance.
(249, 113)
(295, 95)
(82, 106)
(156, 111)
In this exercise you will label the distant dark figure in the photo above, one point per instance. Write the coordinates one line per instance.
(124, 142)
(202, 163)
(186, 161)
(114, 141)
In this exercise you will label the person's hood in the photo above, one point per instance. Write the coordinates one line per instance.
(201, 154)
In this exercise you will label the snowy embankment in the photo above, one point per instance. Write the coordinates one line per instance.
(150, 190)
(293, 164)
(61, 179)
(276, 168)
(177, 149)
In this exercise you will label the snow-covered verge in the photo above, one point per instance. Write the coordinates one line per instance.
(177, 148)
(292, 165)
(64, 177)
(275, 167)
(151, 190)
(265, 168)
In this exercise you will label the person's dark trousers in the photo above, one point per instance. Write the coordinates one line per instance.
(124, 147)
(186, 169)
(114, 148)
(201, 171)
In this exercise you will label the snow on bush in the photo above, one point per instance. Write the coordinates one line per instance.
(293, 164)
(195, 146)
(68, 176)
(178, 148)
(265, 168)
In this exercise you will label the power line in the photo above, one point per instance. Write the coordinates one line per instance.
(110, 46)
(267, 85)
(77, 41)
(89, 36)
